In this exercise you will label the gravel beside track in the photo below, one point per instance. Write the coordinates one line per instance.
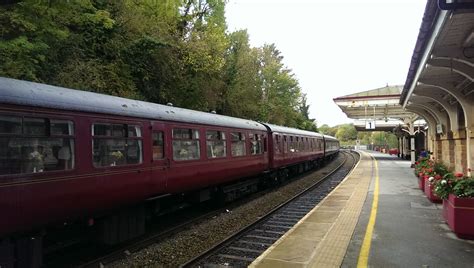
(180, 248)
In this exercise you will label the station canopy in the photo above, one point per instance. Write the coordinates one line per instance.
(377, 109)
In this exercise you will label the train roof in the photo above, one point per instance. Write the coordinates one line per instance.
(19, 92)
(331, 138)
(294, 131)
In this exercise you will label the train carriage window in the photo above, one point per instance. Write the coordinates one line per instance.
(134, 131)
(158, 145)
(61, 127)
(285, 144)
(33, 145)
(10, 125)
(34, 126)
(237, 145)
(277, 144)
(256, 146)
(101, 130)
(292, 144)
(116, 144)
(216, 144)
(186, 144)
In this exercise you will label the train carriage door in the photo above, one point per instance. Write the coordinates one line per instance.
(160, 158)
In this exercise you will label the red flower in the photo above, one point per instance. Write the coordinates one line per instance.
(437, 177)
(416, 163)
(459, 174)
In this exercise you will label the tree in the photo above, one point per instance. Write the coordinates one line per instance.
(242, 94)
(346, 132)
(384, 138)
(175, 51)
(327, 130)
(364, 137)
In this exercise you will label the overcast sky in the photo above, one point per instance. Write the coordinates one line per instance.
(334, 47)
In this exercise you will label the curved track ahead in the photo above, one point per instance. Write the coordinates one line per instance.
(245, 246)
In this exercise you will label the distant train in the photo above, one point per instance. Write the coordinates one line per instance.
(69, 156)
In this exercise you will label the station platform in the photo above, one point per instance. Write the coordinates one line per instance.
(377, 217)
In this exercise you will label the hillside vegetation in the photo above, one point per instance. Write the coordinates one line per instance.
(177, 51)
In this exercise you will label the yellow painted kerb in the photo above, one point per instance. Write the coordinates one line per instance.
(365, 248)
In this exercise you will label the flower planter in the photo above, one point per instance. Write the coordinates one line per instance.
(421, 182)
(445, 210)
(460, 216)
(429, 188)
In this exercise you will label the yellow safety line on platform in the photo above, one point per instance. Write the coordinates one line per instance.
(365, 248)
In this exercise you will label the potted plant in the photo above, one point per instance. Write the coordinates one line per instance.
(437, 173)
(424, 169)
(457, 192)
(429, 188)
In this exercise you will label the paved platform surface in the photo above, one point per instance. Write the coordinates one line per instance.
(408, 230)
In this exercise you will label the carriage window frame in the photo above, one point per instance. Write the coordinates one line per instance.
(256, 144)
(117, 132)
(238, 139)
(43, 154)
(157, 146)
(278, 143)
(181, 136)
(212, 137)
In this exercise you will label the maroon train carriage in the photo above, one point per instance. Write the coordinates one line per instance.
(295, 148)
(75, 156)
(67, 154)
(331, 147)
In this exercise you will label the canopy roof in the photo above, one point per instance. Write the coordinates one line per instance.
(376, 105)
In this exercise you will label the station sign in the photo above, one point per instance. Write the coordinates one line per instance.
(370, 124)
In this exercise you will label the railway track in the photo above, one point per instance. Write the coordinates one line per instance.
(242, 248)
(257, 242)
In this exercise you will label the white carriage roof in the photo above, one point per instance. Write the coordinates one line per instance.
(281, 129)
(19, 92)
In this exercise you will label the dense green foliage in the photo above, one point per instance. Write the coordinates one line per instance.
(176, 51)
(378, 138)
(348, 136)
